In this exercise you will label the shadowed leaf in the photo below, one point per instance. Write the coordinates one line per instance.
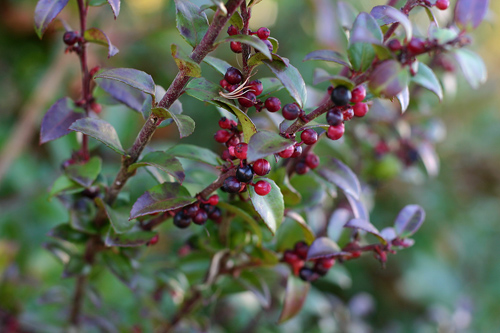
(365, 225)
(58, 119)
(291, 80)
(128, 239)
(218, 64)
(184, 123)
(45, 12)
(409, 220)
(265, 143)
(388, 79)
(194, 153)
(470, 13)
(97, 36)
(339, 174)
(295, 296)
(327, 55)
(185, 64)
(119, 221)
(99, 130)
(192, 23)
(427, 79)
(85, 174)
(253, 41)
(323, 247)
(162, 161)
(135, 78)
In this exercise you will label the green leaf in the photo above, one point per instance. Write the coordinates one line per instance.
(308, 233)
(96, 3)
(99, 130)
(388, 79)
(135, 78)
(291, 196)
(253, 41)
(291, 79)
(218, 64)
(342, 176)
(323, 247)
(97, 36)
(64, 185)
(247, 124)
(427, 79)
(257, 59)
(295, 297)
(265, 143)
(274, 42)
(442, 35)
(338, 80)
(270, 85)
(161, 198)
(409, 220)
(162, 161)
(398, 16)
(361, 56)
(236, 20)
(121, 267)
(45, 12)
(366, 30)
(85, 174)
(327, 55)
(192, 23)
(76, 266)
(185, 64)
(184, 123)
(270, 207)
(245, 216)
(257, 285)
(194, 153)
(203, 90)
(472, 66)
(119, 222)
(365, 225)
(128, 239)
(289, 233)
(66, 233)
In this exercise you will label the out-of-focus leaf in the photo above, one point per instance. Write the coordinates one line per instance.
(295, 296)
(327, 25)
(472, 66)
(161, 198)
(218, 64)
(291, 79)
(388, 79)
(358, 208)
(63, 184)
(265, 143)
(85, 174)
(323, 247)
(429, 157)
(441, 35)
(128, 239)
(470, 13)
(121, 267)
(58, 119)
(97, 36)
(289, 233)
(339, 174)
(404, 99)
(259, 58)
(185, 64)
(291, 196)
(409, 220)
(115, 7)
(76, 266)
(388, 15)
(162, 161)
(236, 20)
(119, 222)
(327, 55)
(308, 233)
(365, 225)
(184, 123)
(66, 233)
(99, 130)
(194, 153)
(336, 223)
(365, 30)
(135, 78)
(257, 286)
(245, 216)
(347, 14)
(388, 234)
(338, 80)
(192, 23)
(45, 12)
(270, 207)
(378, 13)
(253, 41)
(427, 79)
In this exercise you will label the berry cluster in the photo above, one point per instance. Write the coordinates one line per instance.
(198, 213)
(297, 259)
(310, 161)
(263, 33)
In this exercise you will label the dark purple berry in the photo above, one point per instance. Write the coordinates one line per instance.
(231, 185)
(291, 111)
(308, 275)
(70, 38)
(301, 168)
(233, 75)
(272, 104)
(334, 117)
(208, 208)
(309, 136)
(394, 45)
(256, 87)
(190, 211)
(201, 217)
(244, 174)
(301, 249)
(248, 99)
(416, 46)
(341, 96)
(215, 215)
(181, 220)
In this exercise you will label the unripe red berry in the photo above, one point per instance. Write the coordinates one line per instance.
(309, 136)
(358, 94)
(223, 83)
(233, 141)
(233, 75)
(348, 114)
(96, 107)
(291, 111)
(213, 200)
(360, 109)
(416, 46)
(261, 167)
(257, 87)
(236, 47)
(290, 257)
(222, 136)
(335, 132)
(394, 45)
(240, 151)
(442, 4)
(263, 33)
(224, 123)
(154, 240)
(70, 38)
(262, 188)
(334, 117)
(301, 249)
(226, 156)
(232, 30)
(272, 104)
(341, 96)
(248, 99)
(288, 152)
(297, 151)
(301, 168)
(312, 160)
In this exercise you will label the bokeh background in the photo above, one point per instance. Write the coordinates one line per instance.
(449, 281)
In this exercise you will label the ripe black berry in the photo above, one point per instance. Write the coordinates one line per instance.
(233, 75)
(181, 220)
(263, 33)
(190, 211)
(244, 174)
(201, 217)
(272, 104)
(334, 117)
(70, 38)
(207, 208)
(301, 168)
(231, 185)
(291, 111)
(261, 167)
(341, 96)
(308, 275)
(309, 136)
(215, 215)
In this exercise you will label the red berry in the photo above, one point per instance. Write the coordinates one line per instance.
(233, 141)
(394, 45)
(301, 249)
(70, 38)
(272, 104)
(416, 46)
(348, 114)
(291, 111)
(326, 262)
(288, 152)
(223, 83)
(96, 107)
(297, 151)
(309, 136)
(226, 156)
(334, 117)
(154, 240)
(256, 87)
(263, 33)
(236, 47)
(312, 160)
(240, 151)
(360, 109)
(224, 123)
(248, 99)
(335, 132)
(262, 188)
(222, 136)
(358, 94)
(290, 257)
(441, 4)
(261, 167)
(213, 200)
(301, 168)
(232, 30)
(232, 87)
(233, 75)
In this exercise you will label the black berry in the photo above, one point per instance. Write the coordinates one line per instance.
(248, 99)
(201, 217)
(208, 208)
(181, 221)
(308, 275)
(301, 249)
(334, 117)
(190, 211)
(231, 185)
(70, 38)
(215, 215)
(340, 96)
(244, 174)
(301, 168)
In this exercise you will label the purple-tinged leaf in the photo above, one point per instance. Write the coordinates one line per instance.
(125, 94)
(265, 143)
(429, 157)
(253, 41)
(324, 247)
(327, 55)
(45, 12)
(378, 12)
(404, 99)
(161, 198)
(470, 13)
(271, 207)
(426, 78)
(194, 153)
(358, 207)
(308, 233)
(119, 222)
(162, 161)
(295, 297)
(336, 223)
(327, 25)
(218, 64)
(203, 90)
(121, 266)
(184, 123)
(75, 266)
(135, 78)
(339, 174)
(320, 75)
(192, 23)
(389, 234)
(388, 79)
(115, 7)
(291, 79)
(85, 173)
(347, 14)
(185, 64)
(257, 286)
(128, 239)
(99, 130)
(409, 220)
(365, 225)
(472, 66)
(97, 36)
(366, 30)
(58, 119)
(388, 15)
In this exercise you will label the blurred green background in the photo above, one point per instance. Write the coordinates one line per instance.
(448, 281)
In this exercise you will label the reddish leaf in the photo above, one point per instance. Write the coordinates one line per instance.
(45, 12)
(409, 220)
(470, 13)
(295, 296)
(124, 94)
(388, 79)
(339, 174)
(366, 30)
(58, 119)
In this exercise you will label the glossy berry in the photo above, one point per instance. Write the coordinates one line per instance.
(335, 132)
(261, 167)
(213, 200)
(181, 220)
(301, 249)
(297, 151)
(256, 87)
(301, 168)
(272, 104)
(233, 75)
(291, 111)
(225, 123)
(334, 117)
(308, 275)
(394, 45)
(201, 217)
(290, 257)
(248, 99)
(240, 151)
(341, 96)
(358, 94)
(288, 152)
(227, 156)
(348, 114)
(441, 4)
(263, 33)
(215, 215)
(262, 188)
(323, 265)
(232, 30)
(70, 38)
(236, 47)
(232, 87)
(154, 240)
(223, 83)
(231, 185)
(207, 208)
(222, 136)
(416, 46)
(244, 174)
(312, 160)
(233, 141)
(360, 109)
(309, 136)
(190, 211)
